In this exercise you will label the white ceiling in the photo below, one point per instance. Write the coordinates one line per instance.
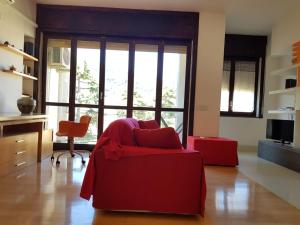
(242, 16)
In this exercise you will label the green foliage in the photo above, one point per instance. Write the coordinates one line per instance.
(87, 92)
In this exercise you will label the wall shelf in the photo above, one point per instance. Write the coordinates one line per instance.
(18, 52)
(287, 71)
(281, 111)
(26, 76)
(287, 91)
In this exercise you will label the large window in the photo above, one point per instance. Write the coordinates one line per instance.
(240, 87)
(110, 79)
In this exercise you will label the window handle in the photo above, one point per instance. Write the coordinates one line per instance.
(101, 95)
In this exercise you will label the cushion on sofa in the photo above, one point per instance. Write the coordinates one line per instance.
(157, 138)
(148, 124)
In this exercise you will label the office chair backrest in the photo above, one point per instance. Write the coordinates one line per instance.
(85, 119)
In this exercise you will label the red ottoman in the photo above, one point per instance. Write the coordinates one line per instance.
(215, 150)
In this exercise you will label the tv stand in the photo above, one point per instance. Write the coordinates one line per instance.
(282, 154)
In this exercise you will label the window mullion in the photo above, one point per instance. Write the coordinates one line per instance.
(256, 85)
(72, 90)
(160, 62)
(130, 87)
(231, 85)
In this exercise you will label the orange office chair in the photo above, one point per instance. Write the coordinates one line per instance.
(71, 130)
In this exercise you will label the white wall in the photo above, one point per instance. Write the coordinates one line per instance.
(14, 26)
(209, 73)
(249, 130)
(285, 32)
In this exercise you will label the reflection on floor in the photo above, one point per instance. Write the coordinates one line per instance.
(45, 194)
(283, 182)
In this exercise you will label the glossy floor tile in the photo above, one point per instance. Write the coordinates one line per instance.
(284, 182)
(45, 194)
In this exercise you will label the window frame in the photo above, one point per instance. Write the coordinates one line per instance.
(258, 88)
(103, 40)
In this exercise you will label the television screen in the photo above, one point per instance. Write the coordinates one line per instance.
(281, 130)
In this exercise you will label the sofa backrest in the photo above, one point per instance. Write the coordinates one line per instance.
(121, 131)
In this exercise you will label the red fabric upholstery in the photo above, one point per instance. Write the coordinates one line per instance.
(146, 179)
(215, 150)
(157, 138)
(148, 124)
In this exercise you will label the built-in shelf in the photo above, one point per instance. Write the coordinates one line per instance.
(287, 71)
(281, 111)
(288, 91)
(18, 52)
(26, 76)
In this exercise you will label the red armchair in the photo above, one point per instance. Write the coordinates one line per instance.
(123, 176)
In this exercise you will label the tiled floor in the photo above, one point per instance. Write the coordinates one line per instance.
(281, 181)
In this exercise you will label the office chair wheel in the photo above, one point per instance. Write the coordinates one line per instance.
(57, 162)
(52, 158)
(83, 162)
(72, 155)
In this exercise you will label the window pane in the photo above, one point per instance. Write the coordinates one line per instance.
(225, 86)
(91, 135)
(56, 114)
(173, 119)
(58, 70)
(87, 73)
(143, 115)
(116, 74)
(145, 73)
(244, 87)
(111, 115)
(174, 69)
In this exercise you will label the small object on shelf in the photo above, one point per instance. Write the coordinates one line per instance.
(290, 83)
(12, 67)
(26, 105)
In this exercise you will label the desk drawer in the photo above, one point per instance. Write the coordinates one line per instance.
(19, 147)
(12, 166)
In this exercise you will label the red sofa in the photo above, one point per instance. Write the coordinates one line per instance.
(123, 176)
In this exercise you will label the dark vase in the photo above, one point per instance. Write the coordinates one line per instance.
(26, 105)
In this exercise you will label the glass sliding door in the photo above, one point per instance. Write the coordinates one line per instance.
(87, 72)
(58, 71)
(116, 74)
(87, 87)
(145, 75)
(58, 83)
(174, 68)
(116, 82)
(173, 87)
(144, 80)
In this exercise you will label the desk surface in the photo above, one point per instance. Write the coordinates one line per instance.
(5, 117)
